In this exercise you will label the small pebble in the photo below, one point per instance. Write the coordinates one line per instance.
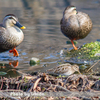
(34, 61)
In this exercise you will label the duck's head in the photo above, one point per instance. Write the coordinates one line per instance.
(10, 20)
(70, 10)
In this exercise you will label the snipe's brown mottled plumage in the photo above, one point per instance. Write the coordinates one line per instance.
(74, 24)
(64, 69)
(11, 34)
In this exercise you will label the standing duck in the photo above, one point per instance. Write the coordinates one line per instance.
(11, 34)
(74, 24)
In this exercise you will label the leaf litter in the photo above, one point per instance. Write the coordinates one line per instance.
(76, 86)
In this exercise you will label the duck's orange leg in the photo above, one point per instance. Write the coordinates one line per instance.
(73, 45)
(14, 51)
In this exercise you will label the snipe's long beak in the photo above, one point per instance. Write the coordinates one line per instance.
(79, 72)
(19, 25)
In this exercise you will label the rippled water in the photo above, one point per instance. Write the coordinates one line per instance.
(43, 38)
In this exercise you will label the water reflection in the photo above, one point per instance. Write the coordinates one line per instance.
(42, 35)
(8, 69)
(14, 63)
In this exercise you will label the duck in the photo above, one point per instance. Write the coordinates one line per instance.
(75, 24)
(64, 69)
(11, 34)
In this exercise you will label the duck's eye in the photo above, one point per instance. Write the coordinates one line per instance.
(10, 18)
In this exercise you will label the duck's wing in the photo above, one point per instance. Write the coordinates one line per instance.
(2, 32)
(71, 27)
(73, 23)
(1, 25)
(85, 24)
(83, 18)
(2, 39)
(61, 21)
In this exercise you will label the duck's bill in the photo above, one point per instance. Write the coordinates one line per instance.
(19, 25)
(23, 27)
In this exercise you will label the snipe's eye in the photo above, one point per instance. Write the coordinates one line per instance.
(76, 67)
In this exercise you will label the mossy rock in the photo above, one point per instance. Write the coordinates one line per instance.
(2, 73)
(89, 51)
(34, 61)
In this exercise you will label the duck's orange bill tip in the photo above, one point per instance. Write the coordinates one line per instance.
(23, 27)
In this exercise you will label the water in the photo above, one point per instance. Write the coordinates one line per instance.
(43, 38)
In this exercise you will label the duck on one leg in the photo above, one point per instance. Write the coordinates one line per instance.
(14, 51)
(73, 45)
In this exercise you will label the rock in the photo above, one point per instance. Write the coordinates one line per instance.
(34, 61)
(2, 73)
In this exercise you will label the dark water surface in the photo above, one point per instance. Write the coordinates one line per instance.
(43, 38)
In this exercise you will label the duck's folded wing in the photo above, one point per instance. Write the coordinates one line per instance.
(2, 39)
